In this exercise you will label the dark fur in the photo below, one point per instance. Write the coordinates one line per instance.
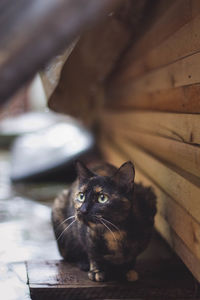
(131, 207)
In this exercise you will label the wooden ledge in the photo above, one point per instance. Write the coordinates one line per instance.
(163, 278)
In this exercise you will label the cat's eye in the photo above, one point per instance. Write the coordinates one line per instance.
(81, 197)
(102, 198)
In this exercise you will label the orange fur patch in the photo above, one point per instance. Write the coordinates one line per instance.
(97, 189)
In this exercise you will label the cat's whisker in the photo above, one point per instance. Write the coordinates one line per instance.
(108, 229)
(66, 220)
(66, 229)
(105, 220)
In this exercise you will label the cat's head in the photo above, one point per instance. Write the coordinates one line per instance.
(101, 198)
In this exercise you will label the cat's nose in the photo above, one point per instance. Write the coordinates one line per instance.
(83, 210)
(82, 214)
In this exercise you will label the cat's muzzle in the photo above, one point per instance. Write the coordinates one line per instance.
(85, 218)
(82, 217)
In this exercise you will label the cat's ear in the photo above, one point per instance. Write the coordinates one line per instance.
(124, 177)
(82, 171)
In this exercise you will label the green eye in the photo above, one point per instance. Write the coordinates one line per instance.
(102, 198)
(81, 197)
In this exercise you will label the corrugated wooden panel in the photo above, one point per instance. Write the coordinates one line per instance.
(179, 127)
(174, 221)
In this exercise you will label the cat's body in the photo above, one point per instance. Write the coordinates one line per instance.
(113, 221)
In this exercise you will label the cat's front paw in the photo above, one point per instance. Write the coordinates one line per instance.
(132, 275)
(96, 275)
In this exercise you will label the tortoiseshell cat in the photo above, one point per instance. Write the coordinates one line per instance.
(104, 221)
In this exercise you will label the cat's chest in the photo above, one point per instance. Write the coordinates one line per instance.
(115, 241)
(117, 244)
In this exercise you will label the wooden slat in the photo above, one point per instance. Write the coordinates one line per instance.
(185, 232)
(159, 277)
(185, 193)
(183, 72)
(176, 243)
(180, 127)
(180, 221)
(175, 16)
(181, 155)
(182, 43)
(186, 227)
(185, 99)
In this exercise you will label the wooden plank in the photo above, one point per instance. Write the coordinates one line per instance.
(59, 280)
(32, 32)
(185, 226)
(180, 221)
(185, 193)
(180, 127)
(176, 243)
(175, 16)
(180, 44)
(181, 155)
(180, 73)
(185, 99)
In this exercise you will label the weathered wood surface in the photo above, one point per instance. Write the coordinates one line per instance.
(32, 32)
(180, 73)
(185, 99)
(181, 42)
(170, 17)
(161, 275)
(185, 226)
(157, 72)
(182, 155)
(180, 127)
(172, 221)
(179, 247)
(184, 192)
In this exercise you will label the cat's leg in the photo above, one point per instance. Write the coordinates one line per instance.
(131, 274)
(84, 265)
(96, 273)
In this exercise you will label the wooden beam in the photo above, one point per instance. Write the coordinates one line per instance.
(180, 127)
(185, 99)
(32, 32)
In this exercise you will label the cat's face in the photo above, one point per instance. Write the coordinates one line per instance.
(100, 199)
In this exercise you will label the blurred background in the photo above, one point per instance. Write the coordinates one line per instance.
(37, 151)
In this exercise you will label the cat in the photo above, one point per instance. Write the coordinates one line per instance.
(104, 221)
